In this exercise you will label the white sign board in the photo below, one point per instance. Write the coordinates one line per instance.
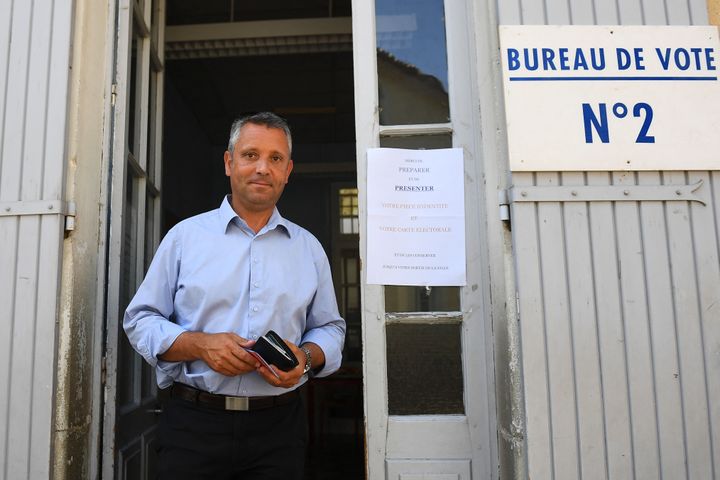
(416, 217)
(611, 98)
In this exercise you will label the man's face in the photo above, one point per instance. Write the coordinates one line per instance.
(258, 168)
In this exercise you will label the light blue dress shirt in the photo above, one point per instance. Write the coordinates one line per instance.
(213, 274)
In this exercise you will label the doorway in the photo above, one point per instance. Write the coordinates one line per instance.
(307, 79)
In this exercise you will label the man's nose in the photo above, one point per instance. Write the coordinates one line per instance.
(262, 165)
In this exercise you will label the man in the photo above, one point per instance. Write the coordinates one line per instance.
(219, 281)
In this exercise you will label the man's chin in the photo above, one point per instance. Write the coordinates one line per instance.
(260, 203)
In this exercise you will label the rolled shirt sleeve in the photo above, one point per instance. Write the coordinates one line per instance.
(147, 318)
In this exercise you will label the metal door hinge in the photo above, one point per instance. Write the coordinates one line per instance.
(504, 205)
(113, 94)
(70, 217)
(607, 193)
(40, 207)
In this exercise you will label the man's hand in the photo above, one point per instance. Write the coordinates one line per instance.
(223, 352)
(286, 379)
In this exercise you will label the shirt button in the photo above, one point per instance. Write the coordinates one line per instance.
(255, 309)
(255, 260)
(256, 284)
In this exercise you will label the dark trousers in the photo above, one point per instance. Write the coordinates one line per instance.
(197, 442)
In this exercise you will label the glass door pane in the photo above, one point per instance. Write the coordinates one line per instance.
(412, 62)
(424, 364)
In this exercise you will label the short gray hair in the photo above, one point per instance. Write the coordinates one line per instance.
(267, 119)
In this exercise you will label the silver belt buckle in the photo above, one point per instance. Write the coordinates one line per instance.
(237, 403)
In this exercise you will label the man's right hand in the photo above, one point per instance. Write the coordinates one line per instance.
(223, 352)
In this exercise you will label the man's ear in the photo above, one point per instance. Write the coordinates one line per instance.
(227, 158)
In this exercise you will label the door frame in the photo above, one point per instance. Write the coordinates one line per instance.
(132, 17)
(386, 434)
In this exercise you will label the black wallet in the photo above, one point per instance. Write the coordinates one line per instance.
(275, 351)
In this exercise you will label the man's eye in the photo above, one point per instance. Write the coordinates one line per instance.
(249, 155)
(277, 158)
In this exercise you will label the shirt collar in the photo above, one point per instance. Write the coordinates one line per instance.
(227, 214)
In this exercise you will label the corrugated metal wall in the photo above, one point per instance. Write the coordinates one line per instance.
(619, 305)
(602, 12)
(34, 62)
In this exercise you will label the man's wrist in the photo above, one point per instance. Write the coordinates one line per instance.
(181, 349)
(308, 359)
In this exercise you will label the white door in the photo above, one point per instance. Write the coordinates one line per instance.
(429, 395)
(130, 409)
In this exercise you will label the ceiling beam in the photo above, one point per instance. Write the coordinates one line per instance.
(259, 29)
(267, 37)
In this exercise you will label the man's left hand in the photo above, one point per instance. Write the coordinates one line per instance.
(285, 379)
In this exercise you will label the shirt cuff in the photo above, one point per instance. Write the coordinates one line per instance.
(167, 372)
(332, 349)
(161, 342)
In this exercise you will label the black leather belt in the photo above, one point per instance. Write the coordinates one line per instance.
(228, 402)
